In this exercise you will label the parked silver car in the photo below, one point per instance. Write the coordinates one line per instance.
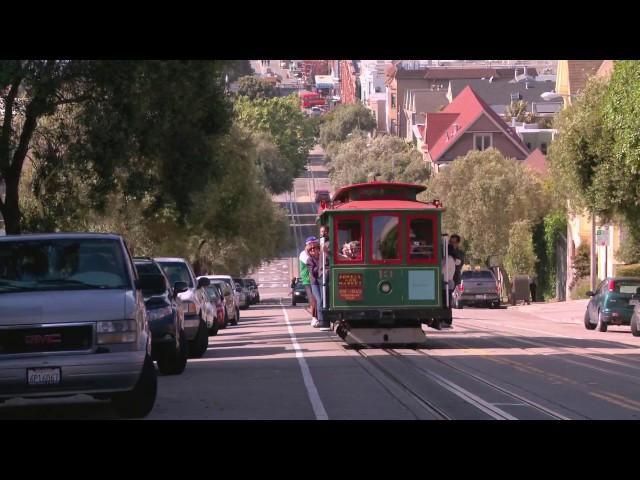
(73, 321)
(196, 324)
(477, 287)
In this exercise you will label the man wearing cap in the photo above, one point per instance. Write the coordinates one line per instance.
(305, 279)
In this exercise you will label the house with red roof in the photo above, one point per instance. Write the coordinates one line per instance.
(537, 162)
(467, 123)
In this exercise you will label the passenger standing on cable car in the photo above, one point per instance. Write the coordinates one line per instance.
(448, 275)
(458, 255)
(305, 279)
(314, 265)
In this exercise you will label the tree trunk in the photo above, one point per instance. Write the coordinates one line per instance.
(11, 208)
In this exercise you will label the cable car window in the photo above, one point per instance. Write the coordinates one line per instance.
(421, 236)
(385, 236)
(349, 248)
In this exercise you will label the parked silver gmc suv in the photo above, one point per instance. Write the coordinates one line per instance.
(73, 321)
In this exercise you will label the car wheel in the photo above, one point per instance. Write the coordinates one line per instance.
(635, 328)
(140, 401)
(226, 320)
(235, 320)
(587, 321)
(602, 325)
(176, 363)
(198, 346)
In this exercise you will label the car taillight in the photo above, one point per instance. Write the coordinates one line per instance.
(612, 285)
(461, 288)
(497, 287)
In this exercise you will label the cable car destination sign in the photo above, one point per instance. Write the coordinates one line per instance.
(350, 287)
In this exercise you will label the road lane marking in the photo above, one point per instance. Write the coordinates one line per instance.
(312, 391)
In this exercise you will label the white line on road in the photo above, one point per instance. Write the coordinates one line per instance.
(312, 391)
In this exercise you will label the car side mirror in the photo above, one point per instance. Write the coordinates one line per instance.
(151, 283)
(180, 287)
(203, 282)
(591, 294)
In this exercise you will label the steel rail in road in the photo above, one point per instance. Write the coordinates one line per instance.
(547, 411)
(523, 339)
(428, 406)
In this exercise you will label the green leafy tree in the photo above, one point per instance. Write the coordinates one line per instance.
(520, 258)
(580, 156)
(386, 157)
(288, 127)
(518, 110)
(255, 87)
(343, 120)
(144, 127)
(484, 195)
(581, 262)
(617, 180)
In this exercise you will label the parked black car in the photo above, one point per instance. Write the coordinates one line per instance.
(166, 318)
(299, 294)
(253, 288)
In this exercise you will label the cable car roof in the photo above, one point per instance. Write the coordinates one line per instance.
(378, 191)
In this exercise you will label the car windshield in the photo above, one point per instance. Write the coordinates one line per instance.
(177, 272)
(212, 293)
(147, 268)
(62, 264)
(481, 275)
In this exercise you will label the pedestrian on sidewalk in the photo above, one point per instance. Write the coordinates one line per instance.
(305, 279)
(314, 265)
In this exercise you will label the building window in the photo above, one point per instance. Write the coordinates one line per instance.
(543, 148)
(393, 100)
(385, 243)
(482, 141)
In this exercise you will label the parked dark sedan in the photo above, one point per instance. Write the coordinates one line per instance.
(166, 318)
(298, 294)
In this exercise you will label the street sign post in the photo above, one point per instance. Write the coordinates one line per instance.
(602, 237)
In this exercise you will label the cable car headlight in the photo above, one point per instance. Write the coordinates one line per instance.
(385, 287)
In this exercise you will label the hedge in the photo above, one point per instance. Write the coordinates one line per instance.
(632, 270)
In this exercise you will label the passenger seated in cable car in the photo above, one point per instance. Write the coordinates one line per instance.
(351, 250)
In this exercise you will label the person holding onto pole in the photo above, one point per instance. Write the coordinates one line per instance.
(305, 279)
(315, 275)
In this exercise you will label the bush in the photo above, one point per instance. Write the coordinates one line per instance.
(629, 251)
(628, 270)
(580, 289)
(582, 261)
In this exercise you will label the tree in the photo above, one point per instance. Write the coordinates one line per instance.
(288, 128)
(237, 68)
(484, 195)
(580, 156)
(254, 87)
(389, 158)
(520, 259)
(142, 127)
(343, 120)
(518, 110)
(617, 181)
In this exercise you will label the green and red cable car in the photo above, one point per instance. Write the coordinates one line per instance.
(384, 277)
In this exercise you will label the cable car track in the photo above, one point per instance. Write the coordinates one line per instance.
(523, 400)
(428, 406)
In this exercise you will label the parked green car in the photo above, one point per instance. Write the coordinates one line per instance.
(609, 304)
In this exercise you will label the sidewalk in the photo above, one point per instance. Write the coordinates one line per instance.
(571, 311)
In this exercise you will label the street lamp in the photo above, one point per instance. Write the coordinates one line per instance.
(593, 274)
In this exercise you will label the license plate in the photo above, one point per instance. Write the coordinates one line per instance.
(482, 297)
(43, 376)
